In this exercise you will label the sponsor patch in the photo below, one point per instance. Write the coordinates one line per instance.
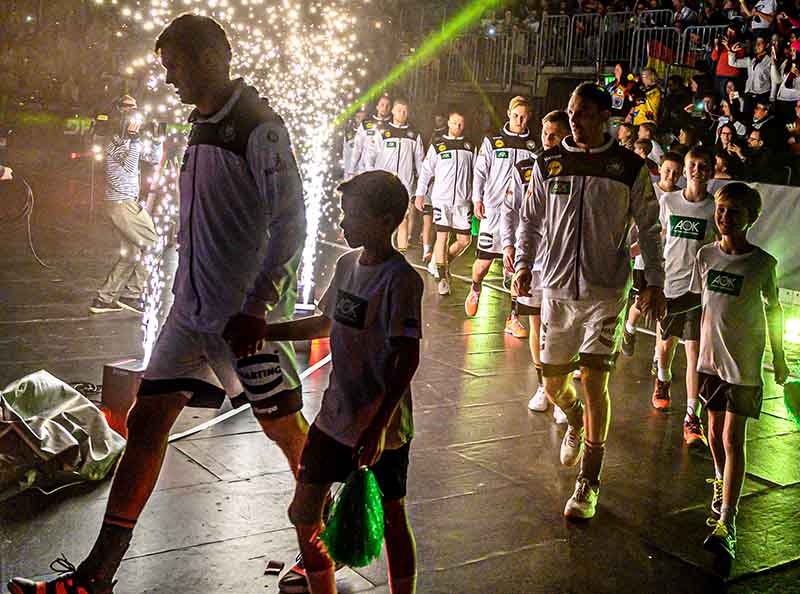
(391, 144)
(615, 167)
(724, 282)
(387, 134)
(561, 187)
(369, 125)
(446, 155)
(272, 136)
(227, 132)
(441, 147)
(527, 174)
(350, 310)
(499, 143)
(687, 227)
(501, 154)
(260, 373)
(554, 168)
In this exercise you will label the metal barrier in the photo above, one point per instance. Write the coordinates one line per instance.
(584, 43)
(422, 84)
(663, 17)
(654, 47)
(617, 37)
(554, 37)
(698, 42)
(485, 59)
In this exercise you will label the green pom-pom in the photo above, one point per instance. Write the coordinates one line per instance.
(354, 533)
(791, 399)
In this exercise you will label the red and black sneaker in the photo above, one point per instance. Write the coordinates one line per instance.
(661, 396)
(68, 582)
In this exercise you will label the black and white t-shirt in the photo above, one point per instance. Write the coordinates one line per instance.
(688, 226)
(368, 305)
(733, 330)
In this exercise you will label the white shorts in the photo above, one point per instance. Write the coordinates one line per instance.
(456, 218)
(202, 364)
(580, 333)
(535, 300)
(489, 233)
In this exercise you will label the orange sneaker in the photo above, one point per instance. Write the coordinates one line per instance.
(661, 395)
(471, 302)
(693, 433)
(515, 328)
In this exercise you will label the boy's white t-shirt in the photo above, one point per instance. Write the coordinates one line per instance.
(368, 305)
(688, 226)
(733, 328)
(638, 261)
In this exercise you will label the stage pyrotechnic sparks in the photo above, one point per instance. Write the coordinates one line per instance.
(302, 56)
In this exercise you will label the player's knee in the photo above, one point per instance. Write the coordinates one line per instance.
(150, 418)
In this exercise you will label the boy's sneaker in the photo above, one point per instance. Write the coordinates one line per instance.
(68, 582)
(471, 302)
(444, 286)
(559, 416)
(628, 343)
(583, 503)
(427, 257)
(515, 328)
(722, 539)
(432, 270)
(571, 446)
(661, 397)
(294, 581)
(716, 498)
(133, 304)
(693, 431)
(538, 402)
(99, 306)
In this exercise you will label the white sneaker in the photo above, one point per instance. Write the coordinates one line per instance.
(538, 402)
(432, 270)
(571, 446)
(559, 416)
(583, 503)
(444, 286)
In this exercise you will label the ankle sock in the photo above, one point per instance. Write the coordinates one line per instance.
(692, 407)
(426, 249)
(664, 375)
(630, 328)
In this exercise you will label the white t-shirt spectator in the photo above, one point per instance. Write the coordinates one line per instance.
(368, 305)
(767, 7)
(733, 328)
(688, 226)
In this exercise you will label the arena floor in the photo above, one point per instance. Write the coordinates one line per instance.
(486, 491)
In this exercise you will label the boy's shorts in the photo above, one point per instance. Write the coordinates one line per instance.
(639, 282)
(325, 461)
(532, 306)
(718, 395)
(185, 360)
(453, 218)
(580, 334)
(685, 325)
(490, 245)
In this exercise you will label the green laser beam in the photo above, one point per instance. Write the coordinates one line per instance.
(462, 20)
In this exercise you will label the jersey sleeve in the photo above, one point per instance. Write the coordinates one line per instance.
(419, 155)
(509, 212)
(769, 291)
(480, 169)
(405, 305)
(645, 210)
(696, 284)
(358, 149)
(273, 166)
(531, 221)
(426, 172)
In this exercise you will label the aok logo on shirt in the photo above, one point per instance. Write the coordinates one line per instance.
(351, 310)
(501, 154)
(724, 282)
(391, 144)
(446, 155)
(687, 227)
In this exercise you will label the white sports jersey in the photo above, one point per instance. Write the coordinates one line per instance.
(688, 226)
(398, 150)
(449, 163)
(733, 328)
(496, 159)
(368, 134)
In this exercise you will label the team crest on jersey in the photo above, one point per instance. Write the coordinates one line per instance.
(441, 147)
(531, 145)
(351, 310)
(526, 175)
(467, 146)
(554, 168)
(369, 125)
(499, 143)
(227, 132)
(409, 134)
(615, 167)
(724, 282)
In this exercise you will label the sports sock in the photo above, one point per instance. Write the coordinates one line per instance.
(664, 375)
(108, 550)
(426, 248)
(592, 461)
(476, 287)
(728, 515)
(692, 407)
(574, 414)
(629, 328)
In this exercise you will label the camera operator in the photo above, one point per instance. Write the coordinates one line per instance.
(123, 287)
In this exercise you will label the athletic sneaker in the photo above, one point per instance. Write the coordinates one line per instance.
(559, 416)
(628, 343)
(515, 328)
(427, 257)
(722, 539)
(583, 503)
(538, 402)
(571, 446)
(693, 431)
(660, 399)
(133, 304)
(294, 581)
(444, 286)
(716, 498)
(432, 270)
(471, 302)
(99, 306)
(68, 582)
